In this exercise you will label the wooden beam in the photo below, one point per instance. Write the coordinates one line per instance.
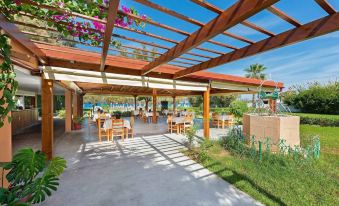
(112, 14)
(47, 117)
(154, 96)
(235, 14)
(326, 6)
(206, 113)
(14, 33)
(68, 109)
(310, 30)
(217, 10)
(281, 14)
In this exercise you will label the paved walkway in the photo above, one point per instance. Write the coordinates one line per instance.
(146, 170)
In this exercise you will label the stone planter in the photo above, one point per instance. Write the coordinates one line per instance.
(273, 127)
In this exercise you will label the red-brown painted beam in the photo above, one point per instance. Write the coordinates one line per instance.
(326, 6)
(217, 10)
(235, 14)
(112, 14)
(281, 14)
(313, 29)
(16, 34)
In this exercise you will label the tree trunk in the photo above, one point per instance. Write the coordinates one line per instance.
(253, 100)
(146, 106)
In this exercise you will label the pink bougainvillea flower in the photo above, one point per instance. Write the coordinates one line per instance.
(98, 26)
(144, 16)
(17, 2)
(125, 9)
(61, 4)
(58, 18)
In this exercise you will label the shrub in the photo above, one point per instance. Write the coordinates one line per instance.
(238, 108)
(319, 119)
(62, 114)
(314, 98)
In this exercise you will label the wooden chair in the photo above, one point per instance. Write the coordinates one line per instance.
(118, 128)
(172, 126)
(230, 121)
(143, 117)
(215, 120)
(101, 131)
(188, 123)
(131, 131)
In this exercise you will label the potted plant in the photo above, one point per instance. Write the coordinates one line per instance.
(77, 121)
(31, 177)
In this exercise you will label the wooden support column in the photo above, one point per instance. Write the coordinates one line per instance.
(81, 105)
(135, 102)
(5, 145)
(47, 117)
(75, 105)
(68, 109)
(273, 105)
(174, 104)
(154, 117)
(207, 113)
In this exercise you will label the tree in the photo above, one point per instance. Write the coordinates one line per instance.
(123, 52)
(137, 54)
(195, 101)
(147, 100)
(255, 71)
(222, 101)
(145, 52)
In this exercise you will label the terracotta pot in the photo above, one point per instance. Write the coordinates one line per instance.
(77, 126)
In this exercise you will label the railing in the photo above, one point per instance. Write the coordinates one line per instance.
(24, 118)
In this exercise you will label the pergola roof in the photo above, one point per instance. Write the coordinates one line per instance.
(172, 61)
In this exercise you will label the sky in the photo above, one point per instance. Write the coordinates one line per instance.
(315, 59)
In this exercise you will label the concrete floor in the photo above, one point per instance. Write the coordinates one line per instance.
(146, 170)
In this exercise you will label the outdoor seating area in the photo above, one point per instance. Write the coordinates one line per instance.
(142, 102)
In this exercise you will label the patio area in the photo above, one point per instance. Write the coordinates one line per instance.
(146, 170)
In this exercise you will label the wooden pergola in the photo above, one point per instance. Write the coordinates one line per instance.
(161, 75)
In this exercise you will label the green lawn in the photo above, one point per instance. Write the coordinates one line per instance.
(284, 182)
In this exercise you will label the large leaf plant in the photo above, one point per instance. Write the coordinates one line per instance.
(32, 178)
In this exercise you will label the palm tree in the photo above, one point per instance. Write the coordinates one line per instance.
(255, 71)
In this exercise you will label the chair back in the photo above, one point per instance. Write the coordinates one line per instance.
(117, 123)
(169, 119)
(132, 120)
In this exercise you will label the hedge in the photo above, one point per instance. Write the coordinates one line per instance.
(319, 119)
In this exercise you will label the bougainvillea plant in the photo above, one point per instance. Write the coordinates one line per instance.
(8, 84)
(83, 29)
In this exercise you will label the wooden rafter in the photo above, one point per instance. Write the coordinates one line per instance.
(326, 6)
(219, 11)
(284, 16)
(112, 14)
(310, 30)
(15, 33)
(190, 20)
(229, 18)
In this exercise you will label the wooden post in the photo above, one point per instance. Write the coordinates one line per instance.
(174, 104)
(47, 117)
(154, 117)
(5, 146)
(207, 113)
(81, 105)
(75, 105)
(273, 105)
(135, 102)
(68, 109)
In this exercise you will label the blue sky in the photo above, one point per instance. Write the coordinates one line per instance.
(315, 59)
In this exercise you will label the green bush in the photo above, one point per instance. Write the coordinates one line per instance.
(238, 108)
(62, 114)
(319, 119)
(314, 98)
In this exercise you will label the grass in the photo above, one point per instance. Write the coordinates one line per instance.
(319, 119)
(280, 181)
